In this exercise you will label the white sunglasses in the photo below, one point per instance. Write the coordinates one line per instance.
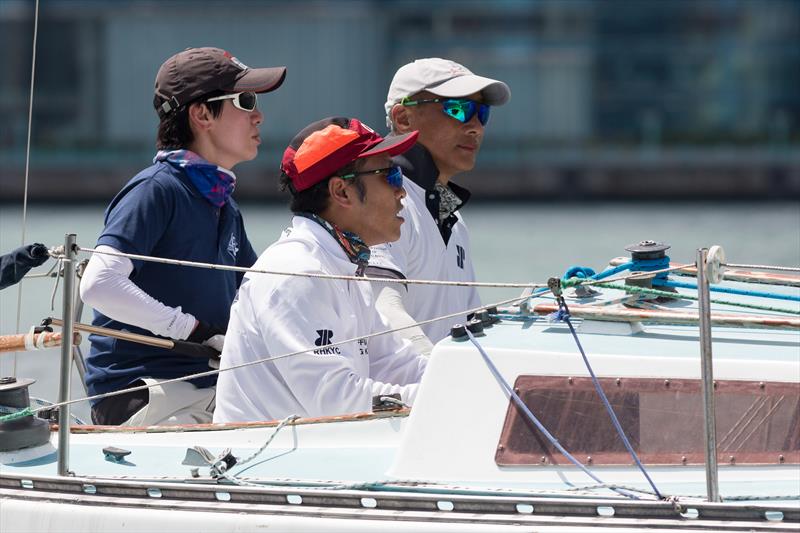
(247, 101)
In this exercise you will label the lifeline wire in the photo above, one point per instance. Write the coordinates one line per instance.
(27, 168)
(213, 266)
(524, 408)
(564, 315)
(762, 267)
(29, 411)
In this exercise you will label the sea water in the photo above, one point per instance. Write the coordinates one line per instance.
(511, 243)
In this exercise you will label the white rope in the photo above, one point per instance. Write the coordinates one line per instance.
(283, 356)
(27, 171)
(213, 266)
(762, 267)
(233, 478)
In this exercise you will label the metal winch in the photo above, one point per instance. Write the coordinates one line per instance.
(648, 255)
(26, 431)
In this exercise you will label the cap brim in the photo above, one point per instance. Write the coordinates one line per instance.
(494, 92)
(393, 145)
(260, 80)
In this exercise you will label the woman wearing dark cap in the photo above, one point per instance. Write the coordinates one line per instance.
(178, 208)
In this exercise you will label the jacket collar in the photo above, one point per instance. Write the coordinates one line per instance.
(418, 166)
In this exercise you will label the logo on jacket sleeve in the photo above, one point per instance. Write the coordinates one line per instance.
(325, 338)
(460, 256)
(233, 246)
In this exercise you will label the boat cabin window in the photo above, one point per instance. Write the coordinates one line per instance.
(757, 423)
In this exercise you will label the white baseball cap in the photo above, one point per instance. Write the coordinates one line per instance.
(442, 77)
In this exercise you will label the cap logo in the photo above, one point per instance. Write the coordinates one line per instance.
(236, 61)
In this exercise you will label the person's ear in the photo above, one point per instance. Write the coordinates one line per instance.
(340, 195)
(401, 118)
(200, 118)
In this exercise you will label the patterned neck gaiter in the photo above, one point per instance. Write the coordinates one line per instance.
(355, 249)
(448, 201)
(215, 183)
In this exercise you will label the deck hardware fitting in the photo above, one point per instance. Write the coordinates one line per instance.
(115, 455)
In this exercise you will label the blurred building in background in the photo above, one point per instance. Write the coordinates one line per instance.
(611, 98)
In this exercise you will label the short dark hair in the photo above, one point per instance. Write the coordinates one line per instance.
(315, 199)
(174, 131)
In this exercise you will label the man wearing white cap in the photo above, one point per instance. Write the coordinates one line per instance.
(449, 106)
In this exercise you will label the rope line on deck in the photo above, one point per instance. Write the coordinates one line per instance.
(655, 292)
(563, 314)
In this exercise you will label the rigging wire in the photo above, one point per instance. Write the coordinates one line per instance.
(27, 169)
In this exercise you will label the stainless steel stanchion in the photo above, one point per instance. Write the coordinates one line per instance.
(707, 373)
(70, 255)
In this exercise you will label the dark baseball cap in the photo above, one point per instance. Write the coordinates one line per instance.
(325, 146)
(195, 72)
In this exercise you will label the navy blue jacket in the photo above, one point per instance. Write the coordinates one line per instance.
(161, 213)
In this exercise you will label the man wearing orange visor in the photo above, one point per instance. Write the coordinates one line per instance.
(346, 196)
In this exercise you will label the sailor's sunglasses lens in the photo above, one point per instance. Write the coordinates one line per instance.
(246, 101)
(463, 110)
(395, 177)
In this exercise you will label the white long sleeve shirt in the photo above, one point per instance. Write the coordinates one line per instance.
(106, 286)
(420, 253)
(276, 315)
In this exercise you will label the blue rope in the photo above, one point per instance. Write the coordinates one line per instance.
(639, 265)
(524, 408)
(728, 290)
(563, 314)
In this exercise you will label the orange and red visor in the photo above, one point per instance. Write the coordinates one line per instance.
(325, 146)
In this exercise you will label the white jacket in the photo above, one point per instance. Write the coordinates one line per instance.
(420, 253)
(275, 315)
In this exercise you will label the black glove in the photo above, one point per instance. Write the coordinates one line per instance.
(193, 346)
(192, 349)
(17, 263)
(204, 331)
(38, 253)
